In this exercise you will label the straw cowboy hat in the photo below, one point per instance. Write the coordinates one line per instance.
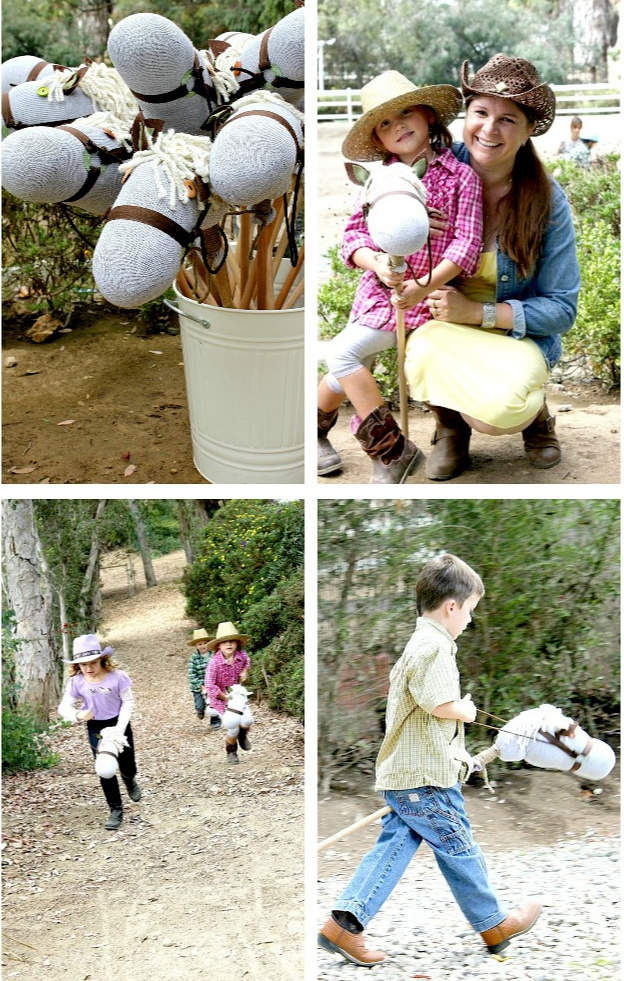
(86, 648)
(515, 79)
(391, 92)
(227, 631)
(199, 636)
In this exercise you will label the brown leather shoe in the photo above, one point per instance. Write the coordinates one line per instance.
(351, 946)
(393, 456)
(540, 442)
(515, 924)
(451, 439)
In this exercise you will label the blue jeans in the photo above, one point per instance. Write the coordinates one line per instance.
(435, 815)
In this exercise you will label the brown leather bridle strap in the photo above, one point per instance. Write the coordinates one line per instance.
(269, 115)
(36, 70)
(555, 741)
(7, 112)
(117, 155)
(264, 64)
(200, 88)
(146, 216)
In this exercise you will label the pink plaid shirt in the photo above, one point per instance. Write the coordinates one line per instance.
(220, 675)
(454, 189)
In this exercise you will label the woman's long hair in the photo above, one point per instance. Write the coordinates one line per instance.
(525, 209)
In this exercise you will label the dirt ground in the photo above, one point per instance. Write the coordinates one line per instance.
(205, 875)
(588, 419)
(88, 405)
(530, 808)
(588, 427)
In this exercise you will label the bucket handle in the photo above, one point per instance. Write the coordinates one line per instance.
(189, 316)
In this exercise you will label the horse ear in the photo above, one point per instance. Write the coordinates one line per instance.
(419, 167)
(357, 173)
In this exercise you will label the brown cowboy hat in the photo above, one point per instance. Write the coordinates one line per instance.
(515, 79)
(391, 92)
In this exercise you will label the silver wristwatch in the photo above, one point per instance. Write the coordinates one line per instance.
(489, 315)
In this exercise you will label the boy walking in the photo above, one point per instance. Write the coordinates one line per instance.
(198, 663)
(419, 767)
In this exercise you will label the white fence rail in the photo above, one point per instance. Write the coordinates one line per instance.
(344, 105)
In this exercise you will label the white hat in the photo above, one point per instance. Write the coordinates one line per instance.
(86, 648)
(227, 631)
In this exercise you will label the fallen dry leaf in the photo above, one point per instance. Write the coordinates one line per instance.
(155, 352)
(126, 455)
(22, 469)
(129, 470)
(66, 422)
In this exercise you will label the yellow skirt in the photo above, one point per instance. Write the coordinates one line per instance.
(486, 375)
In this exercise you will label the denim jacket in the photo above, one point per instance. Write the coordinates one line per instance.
(543, 304)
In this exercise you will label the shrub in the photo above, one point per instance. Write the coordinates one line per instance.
(25, 736)
(276, 626)
(335, 300)
(596, 332)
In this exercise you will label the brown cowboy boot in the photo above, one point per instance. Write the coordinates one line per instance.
(450, 442)
(393, 456)
(540, 443)
(352, 946)
(515, 924)
(328, 460)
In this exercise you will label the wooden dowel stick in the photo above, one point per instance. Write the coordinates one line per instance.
(375, 816)
(294, 296)
(244, 244)
(290, 278)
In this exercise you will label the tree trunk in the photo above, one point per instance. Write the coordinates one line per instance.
(595, 27)
(185, 531)
(144, 549)
(93, 22)
(29, 595)
(87, 591)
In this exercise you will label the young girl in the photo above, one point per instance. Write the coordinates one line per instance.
(106, 700)
(197, 673)
(228, 666)
(400, 123)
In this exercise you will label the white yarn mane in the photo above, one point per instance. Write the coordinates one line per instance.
(224, 80)
(180, 155)
(526, 726)
(103, 85)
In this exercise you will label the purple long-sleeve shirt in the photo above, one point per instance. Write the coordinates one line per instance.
(454, 189)
(220, 674)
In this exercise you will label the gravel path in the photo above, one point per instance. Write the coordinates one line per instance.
(575, 939)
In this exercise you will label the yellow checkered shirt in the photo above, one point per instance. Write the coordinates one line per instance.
(417, 750)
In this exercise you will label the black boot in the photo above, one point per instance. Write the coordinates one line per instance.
(328, 460)
(114, 819)
(450, 441)
(243, 741)
(232, 755)
(393, 456)
(540, 442)
(134, 791)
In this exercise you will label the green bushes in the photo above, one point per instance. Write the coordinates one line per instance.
(25, 736)
(594, 196)
(249, 570)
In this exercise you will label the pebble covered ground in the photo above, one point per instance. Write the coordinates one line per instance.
(424, 935)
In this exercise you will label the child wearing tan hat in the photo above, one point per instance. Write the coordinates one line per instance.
(228, 666)
(197, 672)
(401, 123)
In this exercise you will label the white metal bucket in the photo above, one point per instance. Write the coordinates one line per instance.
(244, 374)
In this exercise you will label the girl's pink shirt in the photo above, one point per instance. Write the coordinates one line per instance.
(220, 674)
(453, 188)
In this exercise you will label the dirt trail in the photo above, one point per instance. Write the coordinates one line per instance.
(206, 873)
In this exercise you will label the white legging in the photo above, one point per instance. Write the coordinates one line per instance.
(232, 722)
(353, 348)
